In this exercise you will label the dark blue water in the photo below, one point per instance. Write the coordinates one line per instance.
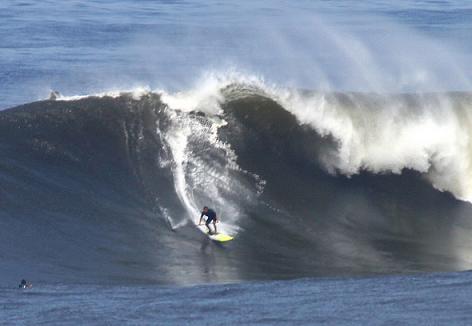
(436, 299)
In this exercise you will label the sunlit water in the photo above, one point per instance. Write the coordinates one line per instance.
(82, 47)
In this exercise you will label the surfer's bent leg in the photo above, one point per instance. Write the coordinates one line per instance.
(214, 224)
(207, 223)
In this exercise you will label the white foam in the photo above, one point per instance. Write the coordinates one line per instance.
(205, 95)
(198, 180)
(432, 138)
(136, 94)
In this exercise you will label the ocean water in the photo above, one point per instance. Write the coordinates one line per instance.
(436, 299)
(333, 139)
(84, 47)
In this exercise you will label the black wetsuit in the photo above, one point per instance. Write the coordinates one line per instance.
(211, 216)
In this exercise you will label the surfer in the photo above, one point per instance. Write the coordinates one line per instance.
(211, 217)
(25, 285)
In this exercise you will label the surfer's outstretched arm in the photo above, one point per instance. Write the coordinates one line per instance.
(201, 218)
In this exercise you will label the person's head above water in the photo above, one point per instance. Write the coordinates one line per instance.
(205, 209)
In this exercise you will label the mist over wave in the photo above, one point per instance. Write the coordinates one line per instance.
(374, 46)
(108, 188)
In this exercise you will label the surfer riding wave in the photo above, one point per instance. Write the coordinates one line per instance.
(211, 217)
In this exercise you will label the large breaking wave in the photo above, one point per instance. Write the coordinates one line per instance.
(108, 188)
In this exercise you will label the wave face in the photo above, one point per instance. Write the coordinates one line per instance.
(107, 189)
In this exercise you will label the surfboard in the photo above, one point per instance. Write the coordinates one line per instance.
(219, 237)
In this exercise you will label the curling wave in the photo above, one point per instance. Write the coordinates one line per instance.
(107, 188)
